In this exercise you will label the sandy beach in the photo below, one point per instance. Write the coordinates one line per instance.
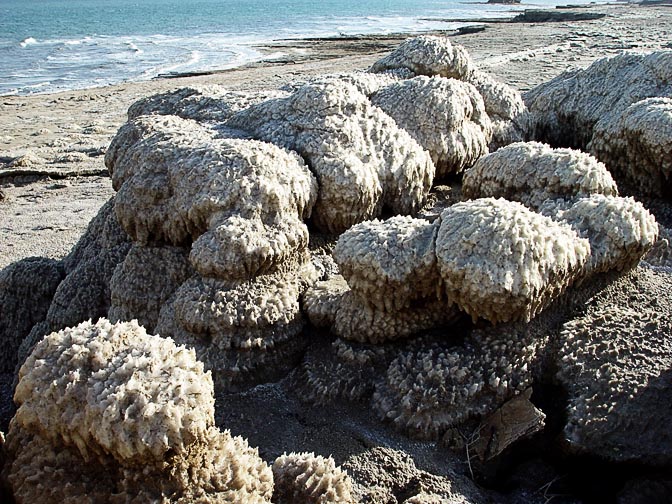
(51, 146)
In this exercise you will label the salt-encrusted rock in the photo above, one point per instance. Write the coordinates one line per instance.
(108, 409)
(177, 183)
(390, 264)
(383, 474)
(26, 290)
(245, 332)
(532, 173)
(321, 300)
(620, 230)
(362, 160)
(500, 261)
(445, 116)
(310, 479)
(615, 363)
(505, 107)
(210, 103)
(636, 145)
(428, 55)
(366, 83)
(436, 386)
(343, 370)
(565, 110)
(356, 320)
(145, 280)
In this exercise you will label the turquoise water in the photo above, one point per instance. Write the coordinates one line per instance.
(51, 45)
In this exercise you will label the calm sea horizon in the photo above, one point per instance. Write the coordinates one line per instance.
(55, 45)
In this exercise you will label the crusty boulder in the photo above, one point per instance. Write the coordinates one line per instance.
(436, 56)
(636, 145)
(445, 116)
(389, 264)
(428, 55)
(145, 280)
(532, 173)
(108, 409)
(500, 261)
(26, 290)
(177, 183)
(310, 479)
(620, 230)
(244, 332)
(210, 103)
(565, 110)
(505, 107)
(362, 160)
(614, 361)
(436, 386)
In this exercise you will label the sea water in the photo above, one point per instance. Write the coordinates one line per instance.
(53, 45)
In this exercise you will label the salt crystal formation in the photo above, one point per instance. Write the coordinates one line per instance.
(620, 230)
(564, 111)
(310, 479)
(431, 388)
(500, 261)
(445, 116)
(362, 160)
(235, 208)
(615, 363)
(109, 410)
(436, 56)
(637, 145)
(532, 173)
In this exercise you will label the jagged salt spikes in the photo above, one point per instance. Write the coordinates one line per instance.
(445, 116)
(532, 173)
(637, 145)
(500, 261)
(115, 388)
(310, 479)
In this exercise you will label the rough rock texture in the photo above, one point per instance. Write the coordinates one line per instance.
(436, 386)
(445, 116)
(532, 173)
(615, 363)
(500, 261)
(108, 409)
(565, 110)
(636, 145)
(343, 370)
(145, 280)
(362, 160)
(620, 230)
(176, 183)
(245, 332)
(211, 103)
(506, 109)
(390, 264)
(387, 475)
(26, 290)
(436, 56)
(310, 479)
(428, 55)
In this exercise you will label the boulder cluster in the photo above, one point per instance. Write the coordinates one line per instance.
(261, 235)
